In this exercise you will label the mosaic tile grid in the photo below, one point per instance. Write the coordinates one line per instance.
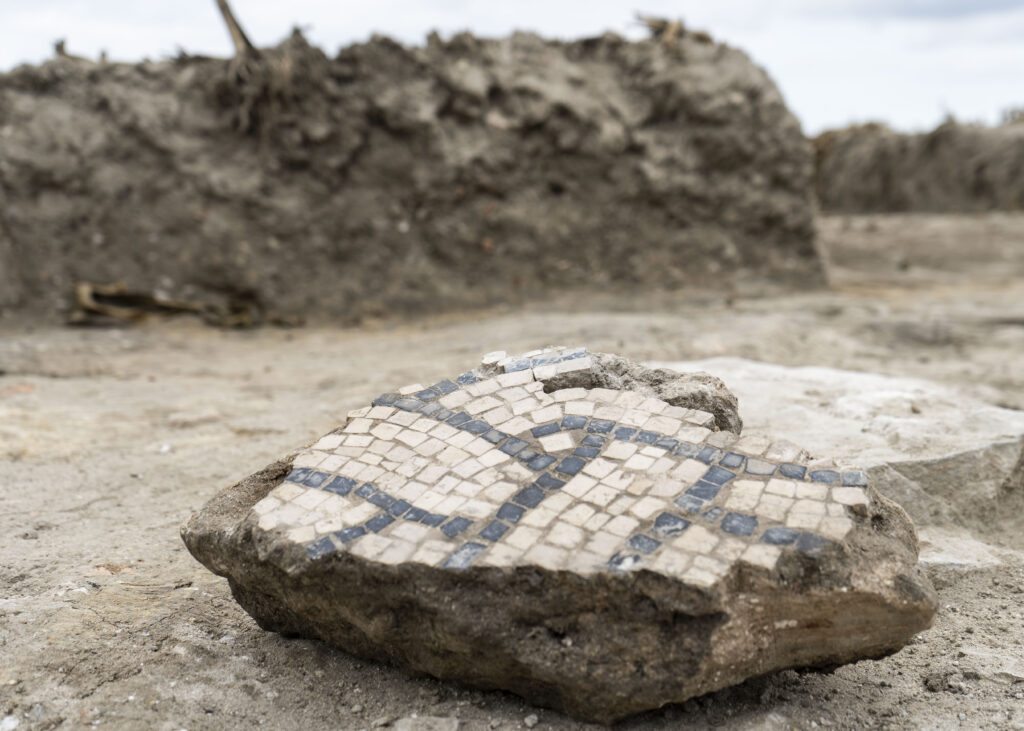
(493, 471)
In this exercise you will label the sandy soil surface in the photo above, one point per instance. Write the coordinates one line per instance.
(110, 438)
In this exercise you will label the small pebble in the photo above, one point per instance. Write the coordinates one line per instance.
(357, 708)
(531, 720)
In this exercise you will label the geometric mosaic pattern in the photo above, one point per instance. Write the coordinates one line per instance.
(493, 471)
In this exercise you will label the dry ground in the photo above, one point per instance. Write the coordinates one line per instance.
(110, 438)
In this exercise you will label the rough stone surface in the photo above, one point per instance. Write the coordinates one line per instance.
(607, 554)
(394, 179)
(949, 457)
(426, 723)
(697, 390)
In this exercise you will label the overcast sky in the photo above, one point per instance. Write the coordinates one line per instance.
(905, 62)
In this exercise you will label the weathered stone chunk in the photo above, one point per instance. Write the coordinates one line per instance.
(574, 528)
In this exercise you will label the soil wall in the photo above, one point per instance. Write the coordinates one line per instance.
(393, 179)
(954, 169)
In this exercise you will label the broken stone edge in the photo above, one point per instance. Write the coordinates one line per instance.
(387, 609)
(695, 390)
(473, 625)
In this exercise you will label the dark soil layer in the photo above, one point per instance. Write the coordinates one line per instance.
(395, 180)
(956, 168)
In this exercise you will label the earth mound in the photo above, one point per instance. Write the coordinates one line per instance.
(392, 179)
(956, 168)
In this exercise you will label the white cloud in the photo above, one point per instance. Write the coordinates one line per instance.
(906, 62)
(913, 8)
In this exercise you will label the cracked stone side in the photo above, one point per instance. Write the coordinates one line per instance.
(697, 390)
(599, 647)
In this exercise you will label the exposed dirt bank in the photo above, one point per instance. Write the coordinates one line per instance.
(957, 168)
(393, 180)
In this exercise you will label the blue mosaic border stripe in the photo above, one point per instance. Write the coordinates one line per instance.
(723, 466)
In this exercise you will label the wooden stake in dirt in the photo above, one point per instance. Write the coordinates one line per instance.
(243, 47)
(247, 69)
